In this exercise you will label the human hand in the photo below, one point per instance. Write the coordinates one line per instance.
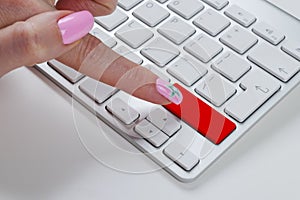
(34, 31)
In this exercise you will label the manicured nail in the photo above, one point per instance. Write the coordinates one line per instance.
(169, 91)
(75, 26)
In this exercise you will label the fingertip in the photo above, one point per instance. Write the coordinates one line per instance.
(149, 93)
(169, 91)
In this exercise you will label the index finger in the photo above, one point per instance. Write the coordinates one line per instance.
(96, 7)
(100, 62)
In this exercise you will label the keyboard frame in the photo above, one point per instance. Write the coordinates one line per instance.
(263, 11)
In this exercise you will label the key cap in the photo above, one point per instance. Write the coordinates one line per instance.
(161, 1)
(215, 90)
(187, 70)
(112, 21)
(122, 111)
(231, 66)
(97, 91)
(181, 156)
(200, 116)
(152, 134)
(134, 34)
(268, 33)
(160, 74)
(186, 8)
(176, 30)
(105, 38)
(239, 39)
(160, 52)
(124, 51)
(275, 62)
(128, 4)
(211, 22)
(240, 15)
(164, 121)
(151, 13)
(293, 49)
(217, 4)
(67, 72)
(259, 87)
(203, 48)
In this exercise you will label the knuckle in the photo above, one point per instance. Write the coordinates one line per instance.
(28, 41)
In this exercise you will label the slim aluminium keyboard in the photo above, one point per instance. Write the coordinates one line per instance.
(231, 67)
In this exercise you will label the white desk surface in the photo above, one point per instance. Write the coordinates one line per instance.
(41, 156)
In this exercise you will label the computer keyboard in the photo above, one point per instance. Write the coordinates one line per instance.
(230, 66)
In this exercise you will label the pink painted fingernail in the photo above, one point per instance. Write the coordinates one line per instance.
(169, 91)
(75, 26)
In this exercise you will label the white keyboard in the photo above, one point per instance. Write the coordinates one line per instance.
(231, 67)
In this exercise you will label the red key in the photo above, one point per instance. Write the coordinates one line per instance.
(199, 115)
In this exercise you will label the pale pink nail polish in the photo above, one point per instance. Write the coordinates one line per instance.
(75, 26)
(169, 91)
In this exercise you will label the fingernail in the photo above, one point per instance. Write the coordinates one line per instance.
(169, 91)
(75, 26)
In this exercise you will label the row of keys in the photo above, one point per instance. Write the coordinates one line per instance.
(185, 8)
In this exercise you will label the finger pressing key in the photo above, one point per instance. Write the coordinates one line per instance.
(101, 63)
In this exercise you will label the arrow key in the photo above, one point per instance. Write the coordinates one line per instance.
(122, 111)
(259, 87)
(151, 133)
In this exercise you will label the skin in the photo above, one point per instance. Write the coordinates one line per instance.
(29, 34)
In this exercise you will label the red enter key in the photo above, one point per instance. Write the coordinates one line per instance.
(199, 115)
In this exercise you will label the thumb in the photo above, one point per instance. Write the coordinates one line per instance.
(42, 37)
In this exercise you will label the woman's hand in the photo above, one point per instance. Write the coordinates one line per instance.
(34, 31)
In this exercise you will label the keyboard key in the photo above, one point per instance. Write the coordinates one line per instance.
(211, 22)
(162, 1)
(293, 49)
(203, 118)
(275, 62)
(238, 39)
(217, 4)
(164, 121)
(112, 21)
(240, 15)
(151, 13)
(203, 48)
(268, 33)
(96, 90)
(187, 70)
(181, 156)
(129, 54)
(128, 4)
(67, 72)
(231, 66)
(176, 30)
(105, 38)
(122, 111)
(215, 90)
(160, 52)
(160, 74)
(134, 34)
(186, 8)
(259, 87)
(151, 133)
